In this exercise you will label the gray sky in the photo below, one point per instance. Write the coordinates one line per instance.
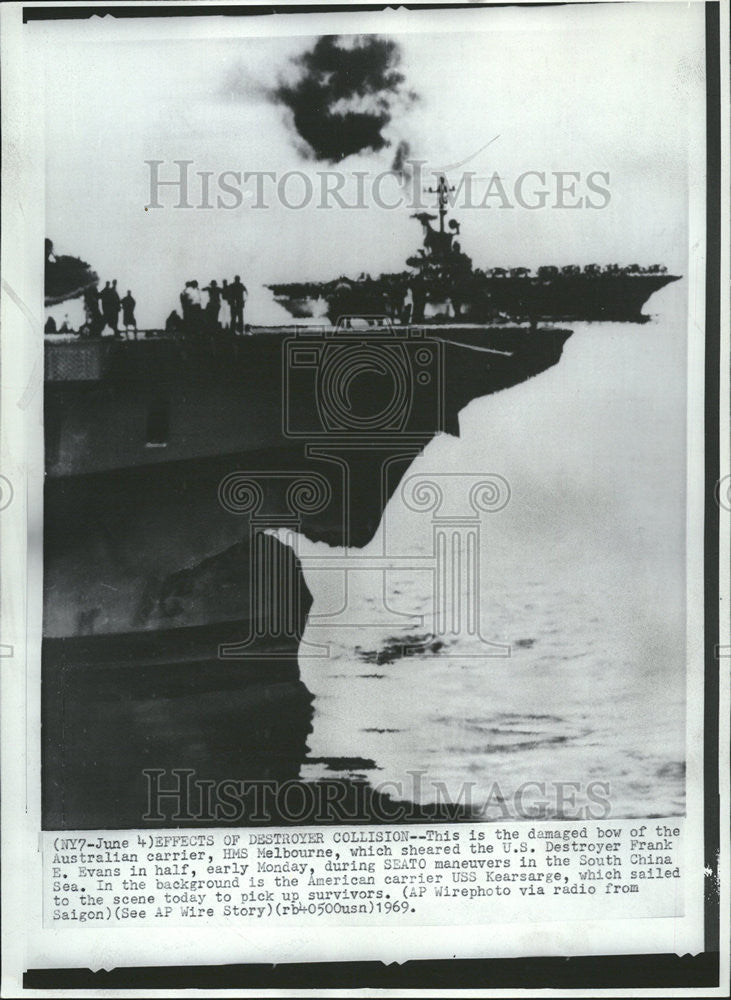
(596, 88)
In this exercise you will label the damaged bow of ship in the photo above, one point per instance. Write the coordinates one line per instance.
(172, 615)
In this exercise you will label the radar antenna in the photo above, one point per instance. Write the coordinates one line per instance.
(442, 190)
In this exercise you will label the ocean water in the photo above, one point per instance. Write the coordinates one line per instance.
(581, 575)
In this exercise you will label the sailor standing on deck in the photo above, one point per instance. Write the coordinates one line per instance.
(116, 305)
(224, 317)
(190, 301)
(213, 306)
(104, 298)
(110, 306)
(185, 306)
(128, 314)
(237, 297)
(93, 319)
(195, 311)
(407, 310)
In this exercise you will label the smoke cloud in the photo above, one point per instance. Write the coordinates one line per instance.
(400, 165)
(344, 95)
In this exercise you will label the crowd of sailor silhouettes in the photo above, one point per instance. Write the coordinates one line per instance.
(101, 310)
(221, 312)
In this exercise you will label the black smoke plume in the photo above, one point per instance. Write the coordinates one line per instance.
(400, 165)
(65, 277)
(345, 94)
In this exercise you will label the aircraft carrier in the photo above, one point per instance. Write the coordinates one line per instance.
(172, 616)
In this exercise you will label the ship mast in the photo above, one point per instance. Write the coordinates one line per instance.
(442, 190)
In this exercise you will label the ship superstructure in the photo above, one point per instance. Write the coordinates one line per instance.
(441, 284)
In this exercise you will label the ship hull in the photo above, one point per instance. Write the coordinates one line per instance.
(118, 714)
(564, 298)
(139, 460)
(599, 298)
(167, 465)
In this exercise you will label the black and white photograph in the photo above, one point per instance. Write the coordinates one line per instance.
(366, 505)
(483, 386)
